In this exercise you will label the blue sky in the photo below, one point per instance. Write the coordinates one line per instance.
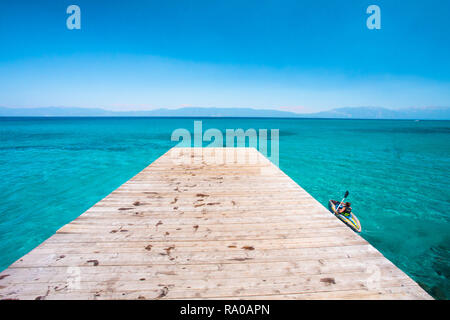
(297, 55)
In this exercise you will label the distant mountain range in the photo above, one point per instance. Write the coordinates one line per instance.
(427, 113)
(182, 112)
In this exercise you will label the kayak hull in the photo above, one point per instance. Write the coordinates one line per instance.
(351, 221)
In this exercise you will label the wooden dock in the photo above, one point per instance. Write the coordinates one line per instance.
(207, 224)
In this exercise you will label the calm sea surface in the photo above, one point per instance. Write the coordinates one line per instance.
(397, 172)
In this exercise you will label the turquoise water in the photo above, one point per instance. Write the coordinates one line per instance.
(53, 169)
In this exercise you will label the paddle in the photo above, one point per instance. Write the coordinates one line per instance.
(345, 196)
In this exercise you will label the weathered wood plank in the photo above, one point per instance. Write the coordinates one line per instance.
(207, 223)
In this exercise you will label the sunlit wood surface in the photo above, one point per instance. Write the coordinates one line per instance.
(207, 223)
